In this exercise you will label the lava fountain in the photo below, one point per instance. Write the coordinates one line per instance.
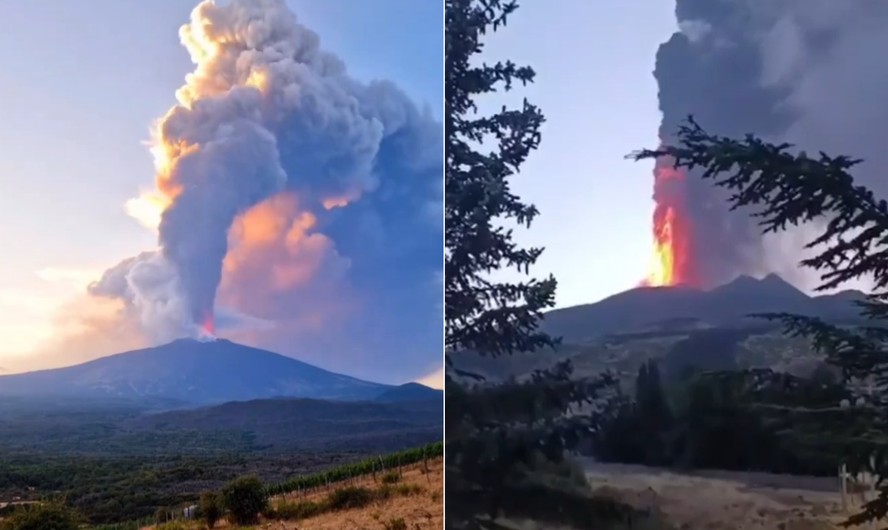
(671, 257)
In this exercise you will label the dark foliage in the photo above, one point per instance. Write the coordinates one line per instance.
(350, 497)
(787, 189)
(41, 517)
(210, 508)
(714, 420)
(244, 499)
(483, 314)
(495, 433)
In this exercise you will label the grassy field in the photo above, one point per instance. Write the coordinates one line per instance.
(407, 498)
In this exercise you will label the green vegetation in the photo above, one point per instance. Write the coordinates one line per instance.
(350, 497)
(711, 421)
(364, 467)
(294, 511)
(108, 491)
(210, 508)
(344, 498)
(788, 189)
(49, 516)
(244, 499)
(391, 477)
(498, 436)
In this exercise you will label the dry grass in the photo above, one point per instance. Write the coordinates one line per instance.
(416, 499)
(412, 500)
(721, 500)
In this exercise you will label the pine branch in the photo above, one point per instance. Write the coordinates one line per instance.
(783, 190)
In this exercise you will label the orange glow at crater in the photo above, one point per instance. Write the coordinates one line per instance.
(208, 325)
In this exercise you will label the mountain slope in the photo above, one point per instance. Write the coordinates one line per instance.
(681, 327)
(410, 392)
(287, 423)
(728, 305)
(192, 372)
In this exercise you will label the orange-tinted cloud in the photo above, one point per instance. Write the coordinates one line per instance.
(279, 266)
(85, 328)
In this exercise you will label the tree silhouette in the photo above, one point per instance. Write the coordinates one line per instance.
(498, 436)
(786, 189)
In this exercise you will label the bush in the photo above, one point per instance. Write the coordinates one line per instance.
(391, 477)
(161, 515)
(210, 508)
(245, 499)
(395, 524)
(350, 497)
(299, 510)
(398, 490)
(407, 490)
(41, 517)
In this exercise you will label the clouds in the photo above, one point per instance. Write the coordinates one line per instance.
(805, 72)
(297, 204)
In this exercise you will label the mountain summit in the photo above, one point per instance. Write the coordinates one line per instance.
(727, 305)
(193, 372)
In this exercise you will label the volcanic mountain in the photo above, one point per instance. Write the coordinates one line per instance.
(193, 372)
(655, 308)
(679, 326)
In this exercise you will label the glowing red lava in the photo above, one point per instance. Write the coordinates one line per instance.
(671, 259)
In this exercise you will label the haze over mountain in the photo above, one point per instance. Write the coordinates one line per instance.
(288, 423)
(725, 306)
(192, 372)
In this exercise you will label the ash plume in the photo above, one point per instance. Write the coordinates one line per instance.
(802, 71)
(267, 113)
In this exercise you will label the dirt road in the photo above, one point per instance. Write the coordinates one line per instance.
(725, 500)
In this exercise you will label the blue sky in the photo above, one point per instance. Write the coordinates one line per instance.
(594, 64)
(82, 84)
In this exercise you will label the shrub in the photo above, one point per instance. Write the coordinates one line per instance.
(161, 515)
(350, 497)
(41, 517)
(395, 524)
(299, 510)
(391, 477)
(406, 490)
(210, 508)
(245, 499)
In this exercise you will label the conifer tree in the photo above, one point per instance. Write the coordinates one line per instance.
(499, 435)
(786, 188)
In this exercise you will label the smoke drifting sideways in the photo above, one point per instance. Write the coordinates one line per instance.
(282, 179)
(802, 71)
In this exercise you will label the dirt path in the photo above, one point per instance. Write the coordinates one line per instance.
(725, 500)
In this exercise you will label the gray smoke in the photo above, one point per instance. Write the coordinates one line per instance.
(803, 71)
(265, 110)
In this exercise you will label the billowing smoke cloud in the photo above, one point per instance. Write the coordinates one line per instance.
(296, 208)
(284, 180)
(803, 71)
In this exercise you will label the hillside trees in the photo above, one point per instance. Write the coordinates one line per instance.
(785, 189)
(497, 433)
(50, 516)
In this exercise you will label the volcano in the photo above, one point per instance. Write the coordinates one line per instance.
(728, 305)
(193, 372)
